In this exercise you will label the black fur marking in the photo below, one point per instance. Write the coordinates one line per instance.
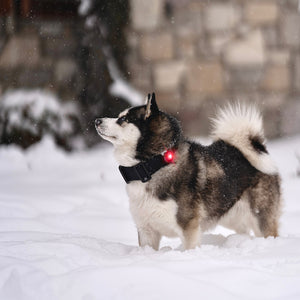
(136, 115)
(154, 107)
(258, 146)
(239, 175)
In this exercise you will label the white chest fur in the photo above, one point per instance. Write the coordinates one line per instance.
(148, 211)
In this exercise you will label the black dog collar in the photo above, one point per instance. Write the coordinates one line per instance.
(143, 170)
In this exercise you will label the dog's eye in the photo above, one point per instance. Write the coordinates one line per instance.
(122, 120)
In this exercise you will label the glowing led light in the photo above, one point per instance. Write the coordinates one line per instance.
(169, 156)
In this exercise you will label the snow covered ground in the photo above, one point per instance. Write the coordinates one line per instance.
(66, 233)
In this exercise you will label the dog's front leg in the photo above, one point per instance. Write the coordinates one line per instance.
(149, 237)
(191, 237)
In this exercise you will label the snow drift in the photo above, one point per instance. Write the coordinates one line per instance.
(66, 233)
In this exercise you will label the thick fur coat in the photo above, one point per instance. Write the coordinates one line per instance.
(232, 182)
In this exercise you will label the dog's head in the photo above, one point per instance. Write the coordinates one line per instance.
(140, 132)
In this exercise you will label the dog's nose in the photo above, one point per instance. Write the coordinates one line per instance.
(98, 121)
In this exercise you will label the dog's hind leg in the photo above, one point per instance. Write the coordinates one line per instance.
(268, 224)
(266, 203)
(148, 237)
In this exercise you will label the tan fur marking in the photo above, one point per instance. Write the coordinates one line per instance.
(191, 234)
(214, 170)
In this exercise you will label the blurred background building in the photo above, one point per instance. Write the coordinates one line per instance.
(194, 54)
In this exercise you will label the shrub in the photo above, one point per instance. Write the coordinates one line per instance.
(26, 116)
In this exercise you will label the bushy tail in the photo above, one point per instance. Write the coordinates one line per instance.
(242, 127)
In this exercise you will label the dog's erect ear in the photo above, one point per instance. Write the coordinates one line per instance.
(151, 107)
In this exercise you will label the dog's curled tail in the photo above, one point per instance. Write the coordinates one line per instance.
(242, 127)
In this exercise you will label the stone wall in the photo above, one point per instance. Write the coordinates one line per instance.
(193, 54)
(40, 54)
(197, 54)
(55, 48)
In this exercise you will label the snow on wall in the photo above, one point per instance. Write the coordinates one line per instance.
(84, 7)
(121, 88)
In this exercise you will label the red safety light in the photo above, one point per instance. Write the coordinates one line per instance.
(169, 156)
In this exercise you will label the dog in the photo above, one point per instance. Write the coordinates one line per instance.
(180, 188)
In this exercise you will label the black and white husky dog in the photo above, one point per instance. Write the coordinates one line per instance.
(179, 188)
